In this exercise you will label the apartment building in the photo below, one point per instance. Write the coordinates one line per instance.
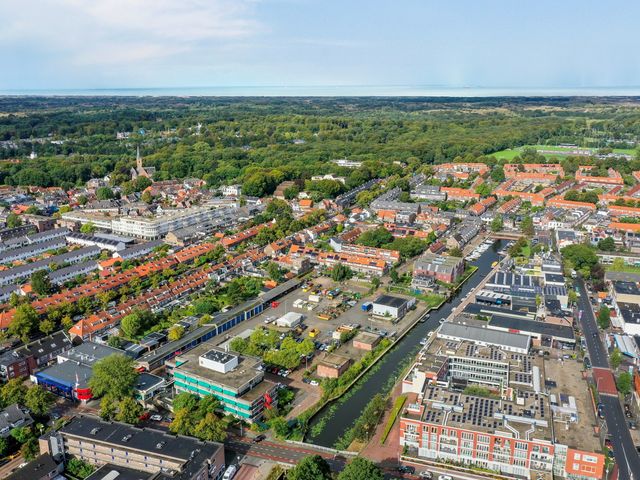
(152, 227)
(23, 272)
(437, 267)
(477, 400)
(142, 449)
(235, 380)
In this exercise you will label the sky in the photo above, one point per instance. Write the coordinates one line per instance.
(93, 44)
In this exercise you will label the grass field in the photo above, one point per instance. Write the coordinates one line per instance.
(625, 269)
(510, 154)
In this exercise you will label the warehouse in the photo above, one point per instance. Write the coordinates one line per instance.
(389, 306)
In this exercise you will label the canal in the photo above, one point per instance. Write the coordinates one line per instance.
(336, 418)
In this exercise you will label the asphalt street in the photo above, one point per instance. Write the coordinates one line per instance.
(623, 447)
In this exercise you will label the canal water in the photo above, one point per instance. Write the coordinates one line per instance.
(335, 419)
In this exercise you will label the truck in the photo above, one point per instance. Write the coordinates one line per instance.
(367, 306)
(314, 298)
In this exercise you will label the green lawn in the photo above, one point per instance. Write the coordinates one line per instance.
(510, 154)
(625, 269)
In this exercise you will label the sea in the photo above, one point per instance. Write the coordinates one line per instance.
(337, 91)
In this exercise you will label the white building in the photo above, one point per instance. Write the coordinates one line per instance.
(231, 190)
(289, 320)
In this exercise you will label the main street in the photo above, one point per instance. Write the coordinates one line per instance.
(623, 447)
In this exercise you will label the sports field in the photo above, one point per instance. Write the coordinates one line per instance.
(510, 154)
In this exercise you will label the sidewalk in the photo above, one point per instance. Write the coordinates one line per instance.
(386, 455)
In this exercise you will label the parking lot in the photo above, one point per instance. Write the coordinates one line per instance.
(330, 307)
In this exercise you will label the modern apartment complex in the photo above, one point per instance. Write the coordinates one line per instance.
(151, 227)
(479, 397)
(235, 380)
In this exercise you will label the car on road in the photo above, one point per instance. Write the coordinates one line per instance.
(259, 438)
(445, 477)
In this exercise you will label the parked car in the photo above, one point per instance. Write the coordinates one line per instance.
(406, 469)
(314, 383)
(425, 475)
(445, 477)
(156, 418)
(259, 438)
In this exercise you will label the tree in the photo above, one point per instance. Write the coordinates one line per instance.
(12, 392)
(183, 422)
(114, 375)
(456, 252)
(175, 333)
(24, 321)
(88, 228)
(108, 408)
(615, 358)
(130, 325)
(21, 434)
(527, 227)
(38, 400)
(375, 238)
(483, 190)
(341, 272)
(280, 426)
(604, 317)
(497, 174)
(13, 220)
(618, 264)
(572, 297)
(114, 341)
(129, 411)
(147, 197)
(47, 326)
(274, 271)
(4, 446)
(497, 224)
(104, 193)
(30, 449)
(211, 428)
(581, 256)
(79, 469)
(607, 244)
(313, 467)
(185, 401)
(624, 383)
(361, 468)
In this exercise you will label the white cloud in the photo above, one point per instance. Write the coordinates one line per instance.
(117, 32)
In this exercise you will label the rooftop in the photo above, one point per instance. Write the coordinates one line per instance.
(390, 301)
(528, 417)
(189, 450)
(245, 373)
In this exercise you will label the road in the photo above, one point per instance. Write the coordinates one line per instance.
(623, 446)
(12, 465)
(291, 454)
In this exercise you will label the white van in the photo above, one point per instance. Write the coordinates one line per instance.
(229, 473)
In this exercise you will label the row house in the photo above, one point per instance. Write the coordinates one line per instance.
(622, 211)
(460, 170)
(460, 194)
(536, 199)
(582, 175)
(560, 202)
(240, 237)
(509, 206)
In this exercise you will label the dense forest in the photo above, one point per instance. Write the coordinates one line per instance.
(266, 140)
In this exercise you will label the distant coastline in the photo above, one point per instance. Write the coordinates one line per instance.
(336, 91)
